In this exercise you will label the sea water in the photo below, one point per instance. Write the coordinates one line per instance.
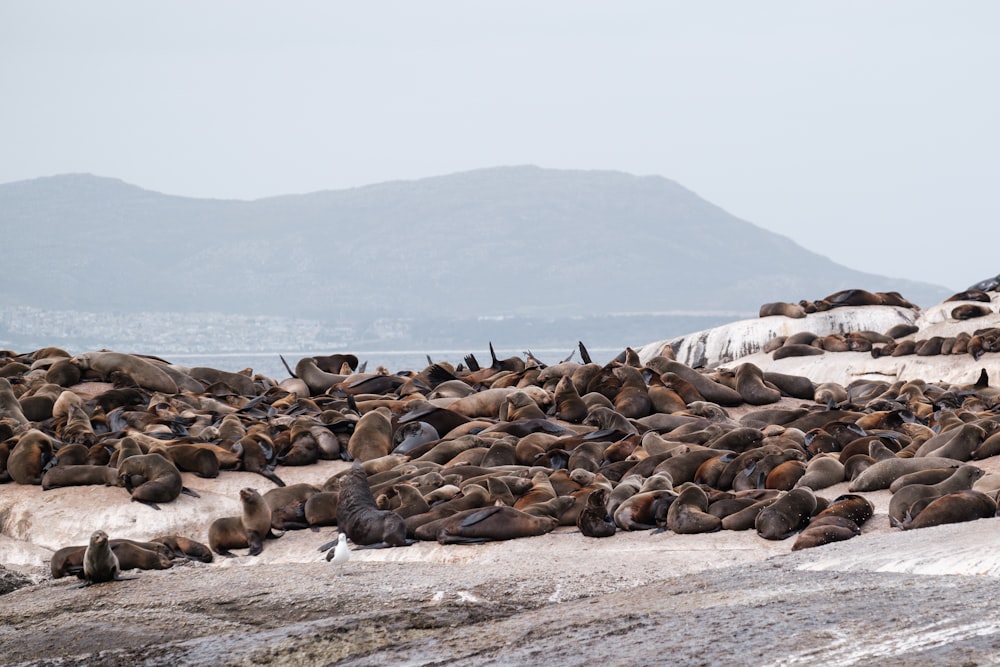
(270, 363)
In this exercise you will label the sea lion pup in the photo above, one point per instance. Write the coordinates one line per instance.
(30, 457)
(150, 479)
(372, 437)
(99, 562)
(594, 520)
(688, 513)
(494, 523)
(250, 529)
(359, 517)
(960, 480)
(787, 515)
(519, 405)
(78, 475)
(955, 507)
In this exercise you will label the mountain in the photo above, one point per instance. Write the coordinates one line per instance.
(508, 241)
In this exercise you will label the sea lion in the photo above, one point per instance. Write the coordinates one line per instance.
(143, 373)
(78, 475)
(751, 386)
(491, 524)
(30, 457)
(321, 508)
(783, 309)
(688, 513)
(250, 529)
(130, 554)
(960, 480)
(956, 507)
(201, 461)
(359, 517)
(10, 407)
(795, 350)
(645, 510)
(882, 473)
(184, 547)
(287, 505)
(822, 471)
(150, 479)
(99, 562)
(825, 530)
(787, 515)
(568, 404)
(594, 520)
(372, 438)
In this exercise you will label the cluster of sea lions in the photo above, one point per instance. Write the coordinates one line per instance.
(899, 340)
(471, 453)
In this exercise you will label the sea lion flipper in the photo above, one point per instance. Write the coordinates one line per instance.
(290, 371)
(190, 492)
(147, 502)
(481, 515)
(584, 355)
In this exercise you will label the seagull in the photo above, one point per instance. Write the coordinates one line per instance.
(340, 553)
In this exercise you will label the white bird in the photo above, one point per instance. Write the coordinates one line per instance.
(340, 553)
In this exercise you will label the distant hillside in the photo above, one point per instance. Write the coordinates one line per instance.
(505, 241)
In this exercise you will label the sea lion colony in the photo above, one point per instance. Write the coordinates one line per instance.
(474, 453)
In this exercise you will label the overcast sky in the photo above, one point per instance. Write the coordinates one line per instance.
(865, 131)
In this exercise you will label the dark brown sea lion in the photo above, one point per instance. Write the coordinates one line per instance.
(150, 479)
(359, 517)
(787, 515)
(795, 350)
(568, 405)
(131, 555)
(201, 461)
(491, 524)
(825, 530)
(594, 520)
(746, 518)
(850, 506)
(968, 311)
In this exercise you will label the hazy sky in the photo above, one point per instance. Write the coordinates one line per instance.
(865, 131)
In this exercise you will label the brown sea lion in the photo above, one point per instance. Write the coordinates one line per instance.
(372, 438)
(78, 475)
(142, 372)
(250, 529)
(953, 508)
(184, 547)
(99, 562)
(960, 480)
(287, 505)
(491, 524)
(783, 309)
(688, 513)
(752, 388)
